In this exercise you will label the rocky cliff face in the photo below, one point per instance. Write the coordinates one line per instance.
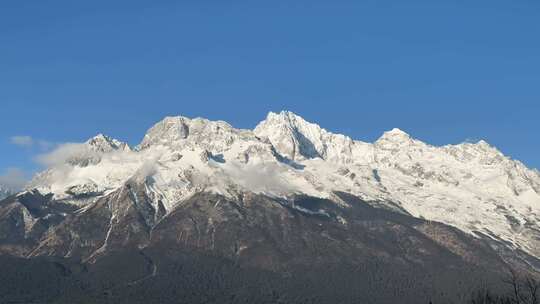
(125, 242)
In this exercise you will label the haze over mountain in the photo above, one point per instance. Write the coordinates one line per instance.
(286, 195)
(4, 192)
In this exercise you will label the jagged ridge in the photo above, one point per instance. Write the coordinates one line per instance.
(472, 186)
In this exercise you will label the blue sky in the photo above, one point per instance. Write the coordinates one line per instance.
(444, 71)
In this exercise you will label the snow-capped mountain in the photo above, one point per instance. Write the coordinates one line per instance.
(471, 186)
(288, 201)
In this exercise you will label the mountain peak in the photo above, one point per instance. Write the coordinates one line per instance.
(489, 153)
(291, 135)
(170, 129)
(287, 117)
(104, 143)
(173, 131)
(395, 136)
(484, 144)
(298, 139)
(396, 131)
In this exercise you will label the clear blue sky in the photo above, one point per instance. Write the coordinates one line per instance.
(444, 71)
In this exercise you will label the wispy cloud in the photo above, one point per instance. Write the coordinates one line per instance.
(22, 140)
(62, 153)
(14, 178)
(260, 177)
(45, 153)
(29, 142)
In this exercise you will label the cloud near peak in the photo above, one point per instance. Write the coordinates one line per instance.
(62, 153)
(14, 179)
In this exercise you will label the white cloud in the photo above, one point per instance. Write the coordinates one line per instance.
(64, 153)
(29, 142)
(22, 140)
(14, 179)
(260, 177)
(73, 163)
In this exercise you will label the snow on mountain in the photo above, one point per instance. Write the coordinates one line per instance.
(297, 139)
(471, 186)
(102, 143)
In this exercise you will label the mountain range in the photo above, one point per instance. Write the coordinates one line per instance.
(316, 215)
